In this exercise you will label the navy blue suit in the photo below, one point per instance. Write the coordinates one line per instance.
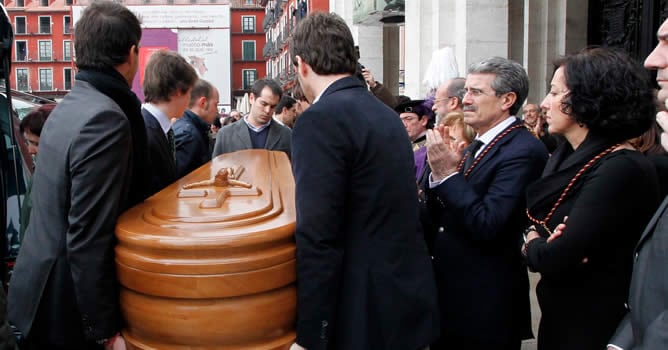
(364, 278)
(192, 143)
(483, 286)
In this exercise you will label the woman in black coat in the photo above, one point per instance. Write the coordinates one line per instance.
(598, 99)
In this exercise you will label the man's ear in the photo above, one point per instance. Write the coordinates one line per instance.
(201, 102)
(508, 100)
(301, 65)
(251, 98)
(453, 103)
(424, 120)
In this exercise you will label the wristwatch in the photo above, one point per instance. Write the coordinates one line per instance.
(526, 232)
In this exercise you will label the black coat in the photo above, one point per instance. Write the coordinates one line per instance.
(607, 209)
(364, 278)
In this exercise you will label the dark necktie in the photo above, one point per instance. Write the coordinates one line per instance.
(473, 148)
(172, 143)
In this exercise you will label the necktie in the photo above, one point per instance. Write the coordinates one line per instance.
(473, 148)
(172, 143)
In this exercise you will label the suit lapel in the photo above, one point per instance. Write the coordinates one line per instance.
(652, 223)
(244, 135)
(492, 151)
(273, 136)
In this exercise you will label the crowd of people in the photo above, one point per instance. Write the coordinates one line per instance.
(416, 220)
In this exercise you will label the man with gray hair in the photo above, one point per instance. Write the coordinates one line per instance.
(449, 98)
(478, 205)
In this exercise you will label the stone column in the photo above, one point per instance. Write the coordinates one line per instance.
(391, 52)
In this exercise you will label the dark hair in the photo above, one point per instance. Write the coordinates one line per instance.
(34, 121)
(104, 35)
(324, 42)
(609, 92)
(167, 73)
(456, 89)
(285, 102)
(216, 122)
(202, 88)
(259, 85)
(510, 77)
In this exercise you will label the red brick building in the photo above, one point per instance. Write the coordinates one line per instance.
(42, 52)
(281, 19)
(247, 40)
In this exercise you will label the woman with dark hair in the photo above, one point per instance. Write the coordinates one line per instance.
(31, 129)
(598, 99)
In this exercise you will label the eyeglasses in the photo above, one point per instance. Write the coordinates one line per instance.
(476, 92)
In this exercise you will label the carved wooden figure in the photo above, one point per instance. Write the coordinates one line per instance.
(212, 266)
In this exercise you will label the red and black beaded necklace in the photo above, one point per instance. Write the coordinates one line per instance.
(568, 188)
(484, 151)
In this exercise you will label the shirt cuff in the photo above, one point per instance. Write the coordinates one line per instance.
(433, 183)
(614, 346)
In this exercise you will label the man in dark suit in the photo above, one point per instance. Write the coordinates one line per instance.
(645, 326)
(168, 81)
(364, 277)
(257, 129)
(64, 293)
(478, 206)
(191, 132)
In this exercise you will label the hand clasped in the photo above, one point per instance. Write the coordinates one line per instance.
(442, 155)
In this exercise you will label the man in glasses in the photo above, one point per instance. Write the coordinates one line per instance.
(449, 98)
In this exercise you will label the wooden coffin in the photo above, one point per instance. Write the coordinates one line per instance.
(212, 267)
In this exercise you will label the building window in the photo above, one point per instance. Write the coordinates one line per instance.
(45, 24)
(249, 77)
(43, 2)
(21, 50)
(67, 25)
(67, 50)
(250, 2)
(45, 50)
(67, 78)
(248, 50)
(22, 79)
(248, 25)
(20, 25)
(68, 2)
(20, 3)
(46, 79)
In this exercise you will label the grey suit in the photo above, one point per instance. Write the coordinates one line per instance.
(236, 137)
(64, 290)
(646, 324)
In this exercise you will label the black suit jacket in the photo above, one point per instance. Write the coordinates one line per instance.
(364, 278)
(64, 289)
(163, 166)
(482, 281)
(645, 326)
